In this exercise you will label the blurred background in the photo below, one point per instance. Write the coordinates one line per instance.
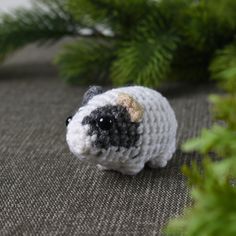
(30, 59)
(118, 42)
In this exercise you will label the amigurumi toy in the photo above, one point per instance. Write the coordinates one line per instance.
(122, 129)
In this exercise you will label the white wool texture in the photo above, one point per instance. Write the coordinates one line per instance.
(157, 130)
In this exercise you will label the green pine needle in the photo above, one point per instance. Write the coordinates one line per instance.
(85, 61)
(155, 40)
(213, 190)
(145, 62)
(223, 67)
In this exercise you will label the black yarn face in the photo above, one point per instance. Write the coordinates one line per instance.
(113, 127)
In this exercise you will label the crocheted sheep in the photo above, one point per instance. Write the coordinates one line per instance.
(122, 129)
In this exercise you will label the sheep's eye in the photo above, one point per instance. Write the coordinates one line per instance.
(68, 120)
(105, 122)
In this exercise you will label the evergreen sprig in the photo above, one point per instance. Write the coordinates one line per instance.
(144, 61)
(82, 61)
(213, 185)
(223, 67)
(148, 40)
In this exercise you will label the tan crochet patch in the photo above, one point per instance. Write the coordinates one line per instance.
(134, 108)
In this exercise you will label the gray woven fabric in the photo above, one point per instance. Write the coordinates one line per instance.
(44, 190)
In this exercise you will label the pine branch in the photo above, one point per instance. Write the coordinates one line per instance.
(224, 11)
(223, 67)
(213, 189)
(144, 61)
(145, 43)
(120, 15)
(86, 60)
(206, 28)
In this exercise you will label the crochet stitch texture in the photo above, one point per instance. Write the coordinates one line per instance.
(123, 129)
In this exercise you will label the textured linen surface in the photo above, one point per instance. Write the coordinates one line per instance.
(45, 190)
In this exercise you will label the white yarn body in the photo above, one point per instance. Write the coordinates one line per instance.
(157, 130)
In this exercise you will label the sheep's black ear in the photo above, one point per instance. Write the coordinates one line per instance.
(90, 93)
